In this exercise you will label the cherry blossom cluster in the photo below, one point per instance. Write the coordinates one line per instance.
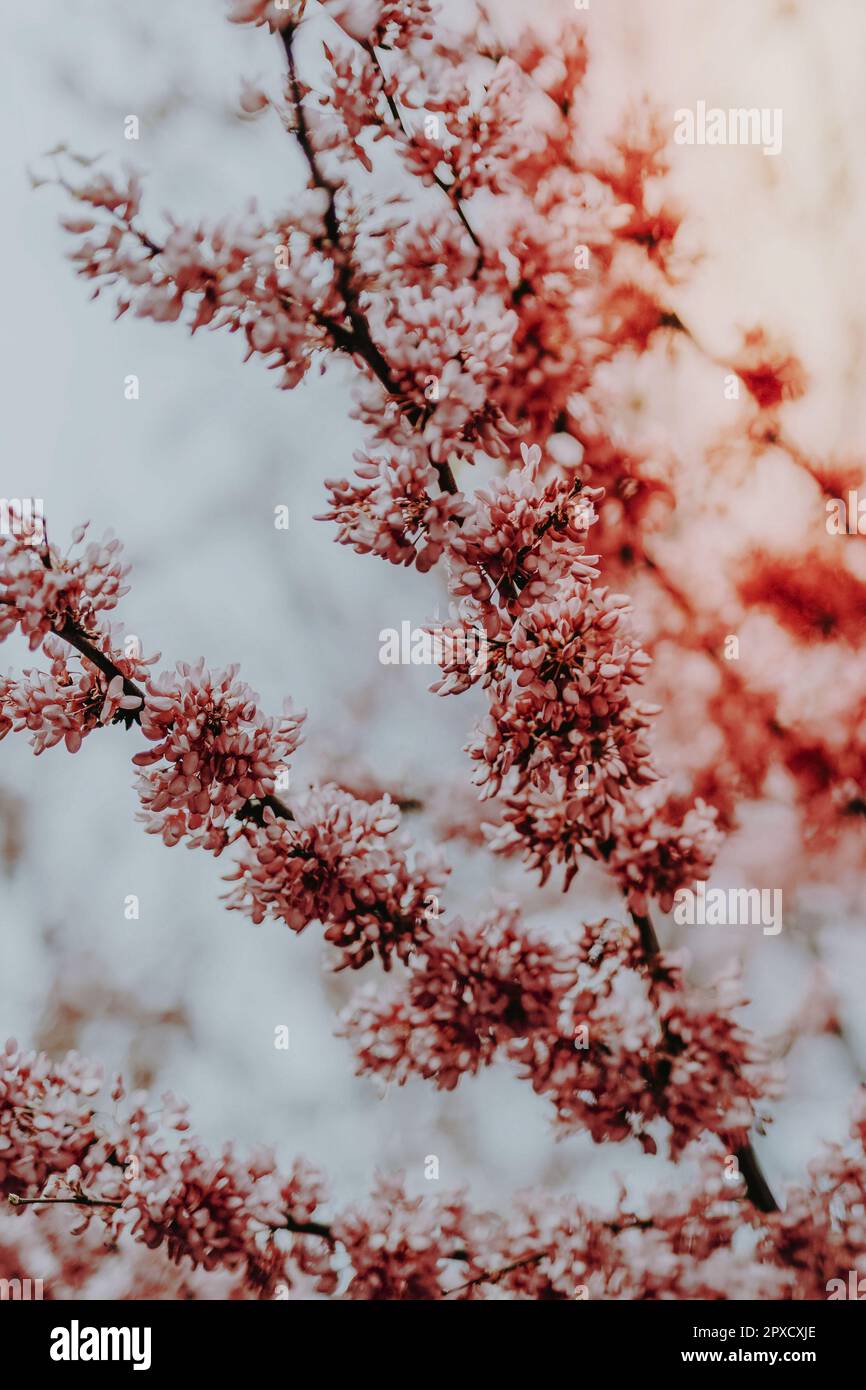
(79, 1174)
(651, 844)
(63, 705)
(565, 734)
(44, 594)
(144, 1173)
(451, 342)
(209, 780)
(443, 347)
(247, 275)
(40, 589)
(612, 1047)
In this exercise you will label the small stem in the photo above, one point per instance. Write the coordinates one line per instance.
(648, 939)
(493, 1276)
(356, 340)
(447, 482)
(361, 339)
(308, 1228)
(455, 202)
(253, 809)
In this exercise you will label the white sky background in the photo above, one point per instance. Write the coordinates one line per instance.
(188, 477)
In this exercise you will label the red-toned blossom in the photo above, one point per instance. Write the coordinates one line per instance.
(523, 542)
(611, 1045)
(469, 992)
(407, 1248)
(135, 1174)
(65, 705)
(499, 291)
(345, 863)
(769, 374)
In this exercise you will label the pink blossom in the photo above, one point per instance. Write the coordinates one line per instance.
(40, 589)
(213, 751)
(393, 508)
(493, 294)
(613, 1046)
(81, 1172)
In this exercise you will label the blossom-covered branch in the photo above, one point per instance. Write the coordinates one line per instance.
(484, 292)
(208, 781)
(137, 1176)
(210, 777)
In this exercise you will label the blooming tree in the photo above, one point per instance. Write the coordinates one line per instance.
(485, 269)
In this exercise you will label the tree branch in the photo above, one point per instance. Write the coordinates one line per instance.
(80, 1201)
(361, 336)
(77, 638)
(757, 1188)
(493, 1277)
(252, 810)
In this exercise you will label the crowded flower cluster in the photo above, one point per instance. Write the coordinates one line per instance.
(482, 301)
(613, 1048)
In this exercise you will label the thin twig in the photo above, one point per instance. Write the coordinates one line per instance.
(80, 1201)
(362, 337)
(493, 1277)
(360, 340)
(454, 200)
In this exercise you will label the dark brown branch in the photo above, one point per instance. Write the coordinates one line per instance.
(757, 1188)
(358, 340)
(79, 1201)
(308, 1228)
(361, 337)
(648, 939)
(77, 638)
